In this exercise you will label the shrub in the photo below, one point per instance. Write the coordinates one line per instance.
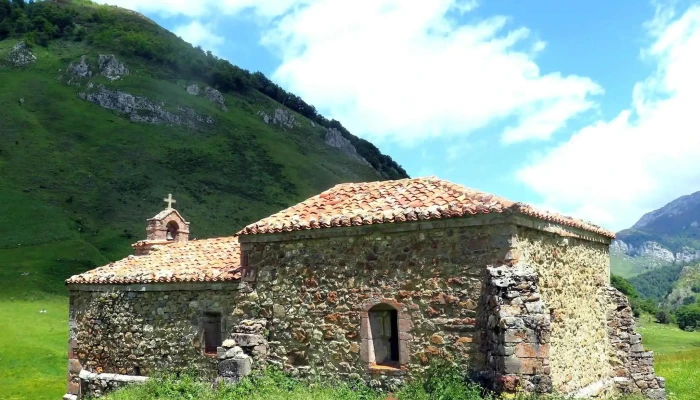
(688, 317)
(663, 317)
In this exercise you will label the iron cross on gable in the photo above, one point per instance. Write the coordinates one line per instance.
(170, 201)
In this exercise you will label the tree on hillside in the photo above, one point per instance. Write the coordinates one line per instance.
(5, 9)
(623, 285)
(637, 303)
(688, 317)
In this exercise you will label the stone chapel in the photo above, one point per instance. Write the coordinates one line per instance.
(371, 281)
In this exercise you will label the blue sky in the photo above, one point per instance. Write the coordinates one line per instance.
(585, 108)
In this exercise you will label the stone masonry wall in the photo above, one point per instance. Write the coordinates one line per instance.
(317, 291)
(633, 367)
(573, 274)
(139, 332)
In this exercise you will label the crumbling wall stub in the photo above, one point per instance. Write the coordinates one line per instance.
(633, 367)
(518, 335)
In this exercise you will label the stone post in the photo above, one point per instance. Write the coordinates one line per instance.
(517, 331)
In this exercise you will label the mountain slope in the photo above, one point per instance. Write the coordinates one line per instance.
(686, 290)
(669, 235)
(112, 113)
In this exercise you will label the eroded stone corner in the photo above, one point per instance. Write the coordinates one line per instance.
(633, 367)
(517, 332)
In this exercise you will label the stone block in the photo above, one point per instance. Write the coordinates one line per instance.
(656, 394)
(661, 381)
(535, 307)
(261, 350)
(235, 367)
(68, 396)
(637, 347)
(74, 366)
(511, 365)
(74, 388)
(405, 325)
(278, 311)
(519, 335)
(247, 339)
(404, 351)
(234, 352)
(531, 366)
(228, 343)
(532, 350)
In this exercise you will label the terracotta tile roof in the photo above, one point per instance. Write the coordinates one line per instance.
(410, 199)
(210, 260)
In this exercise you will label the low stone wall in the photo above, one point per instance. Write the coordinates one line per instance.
(139, 329)
(633, 367)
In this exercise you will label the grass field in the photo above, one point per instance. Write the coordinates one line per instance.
(33, 348)
(33, 351)
(677, 358)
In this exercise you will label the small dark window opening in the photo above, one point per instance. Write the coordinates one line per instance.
(384, 324)
(137, 371)
(211, 327)
(172, 229)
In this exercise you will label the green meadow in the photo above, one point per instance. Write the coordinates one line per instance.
(677, 357)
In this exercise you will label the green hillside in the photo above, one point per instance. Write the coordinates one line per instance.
(78, 179)
(686, 290)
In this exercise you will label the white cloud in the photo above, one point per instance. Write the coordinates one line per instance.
(405, 70)
(614, 171)
(199, 34)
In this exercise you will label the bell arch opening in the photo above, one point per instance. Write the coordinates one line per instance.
(172, 231)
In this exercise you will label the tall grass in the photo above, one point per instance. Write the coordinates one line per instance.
(441, 382)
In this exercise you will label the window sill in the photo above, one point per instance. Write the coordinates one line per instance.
(383, 369)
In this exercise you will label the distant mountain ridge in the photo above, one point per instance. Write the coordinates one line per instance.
(669, 235)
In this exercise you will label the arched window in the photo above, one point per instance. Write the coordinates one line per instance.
(384, 335)
(172, 230)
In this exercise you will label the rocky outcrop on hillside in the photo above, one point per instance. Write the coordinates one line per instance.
(210, 94)
(215, 97)
(20, 55)
(281, 118)
(335, 139)
(686, 289)
(655, 252)
(80, 69)
(668, 235)
(193, 90)
(142, 109)
(111, 68)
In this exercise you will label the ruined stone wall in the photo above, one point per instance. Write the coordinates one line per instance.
(318, 291)
(114, 330)
(573, 274)
(633, 367)
(519, 330)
